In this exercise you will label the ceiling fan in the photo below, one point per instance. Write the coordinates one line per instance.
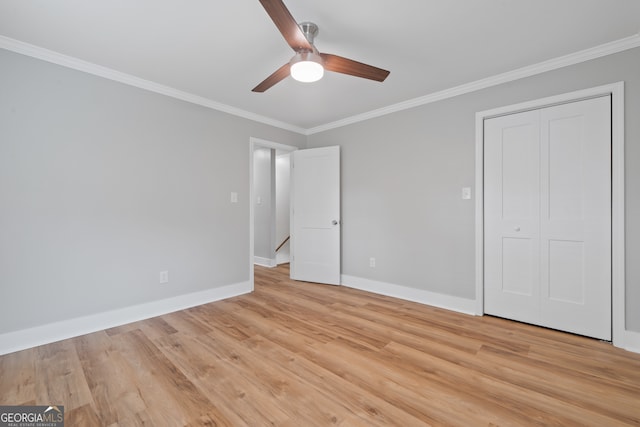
(308, 64)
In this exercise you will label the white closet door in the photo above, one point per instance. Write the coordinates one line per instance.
(575, 220)
(512, 217)
(548, 217)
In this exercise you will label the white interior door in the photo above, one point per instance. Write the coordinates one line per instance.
(315, 215)
(548, 217)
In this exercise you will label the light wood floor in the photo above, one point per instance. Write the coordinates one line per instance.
(301, 354)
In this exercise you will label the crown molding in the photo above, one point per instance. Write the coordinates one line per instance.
(128, 79)
(531, 70)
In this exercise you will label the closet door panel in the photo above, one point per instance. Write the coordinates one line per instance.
(575, 221)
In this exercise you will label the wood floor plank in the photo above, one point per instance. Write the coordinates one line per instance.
(85, 415)
(137, 419)
(500, 393)
(562, 386)
(59, 379)
(183, 322)
(156, 327)
(429, 401)
(215, 316)
(285, 391)
(609, 368)
(115, 397)
(303, 354)
(17, 377)
(369, 326)
(240, 399)
(171, 396)
(376, 411)
(319, 316)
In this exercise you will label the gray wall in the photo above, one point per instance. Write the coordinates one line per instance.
(103, 185)
(264, 212)
(402, 176)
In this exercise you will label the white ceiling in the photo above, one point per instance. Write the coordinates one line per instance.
(220, 50)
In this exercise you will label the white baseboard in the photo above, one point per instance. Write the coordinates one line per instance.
(632, 341)
(265, 262)
(45, 334)
(448, 302)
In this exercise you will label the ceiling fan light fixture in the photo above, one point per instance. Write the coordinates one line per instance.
(308, 64)
(307, 67)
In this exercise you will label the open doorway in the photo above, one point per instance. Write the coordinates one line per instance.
(270, 204)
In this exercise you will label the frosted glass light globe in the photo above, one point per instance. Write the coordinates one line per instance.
(307, 67)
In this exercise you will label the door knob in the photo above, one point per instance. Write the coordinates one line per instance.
(516, 228)
(334, 222)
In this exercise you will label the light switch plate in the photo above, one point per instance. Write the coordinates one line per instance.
(466, 193)
(234, 197)
(164, 277)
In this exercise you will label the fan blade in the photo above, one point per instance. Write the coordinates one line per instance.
(280, 74)
(342, 65)
(287, 25)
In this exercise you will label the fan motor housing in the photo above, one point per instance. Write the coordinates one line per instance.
(310, 30)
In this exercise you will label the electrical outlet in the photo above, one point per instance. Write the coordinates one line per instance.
(372, 262)
(164, 277)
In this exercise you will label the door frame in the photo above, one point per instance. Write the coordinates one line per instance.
(616, 90)
(253, 144)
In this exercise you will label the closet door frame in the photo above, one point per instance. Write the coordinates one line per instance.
(616, 90)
